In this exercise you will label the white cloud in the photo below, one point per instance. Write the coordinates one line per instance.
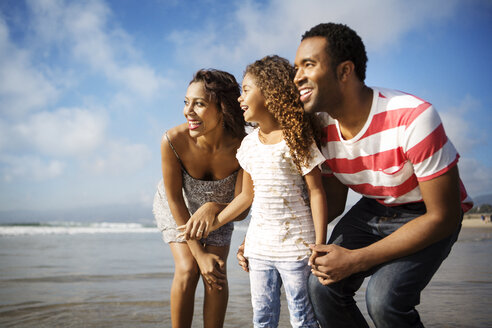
(30, 168)
(459, 129)
(119, 158)
(463, 133)
(141, 79)
(47, 140)
(64, 132)
(261, 29)
(87, 30)
(23, 88)
(60, 40)
(476, 177)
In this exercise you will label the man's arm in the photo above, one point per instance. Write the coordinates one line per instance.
(441, 196)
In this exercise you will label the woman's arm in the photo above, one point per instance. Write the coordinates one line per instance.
(173, 184)
(317, 199)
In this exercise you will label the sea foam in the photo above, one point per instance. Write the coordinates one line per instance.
(72, 228)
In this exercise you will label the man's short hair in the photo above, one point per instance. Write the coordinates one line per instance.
(343, 44)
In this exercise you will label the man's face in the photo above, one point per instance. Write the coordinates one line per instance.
(315, 79)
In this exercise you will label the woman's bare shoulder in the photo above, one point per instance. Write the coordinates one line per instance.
(176, 133)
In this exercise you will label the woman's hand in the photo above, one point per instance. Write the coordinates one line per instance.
(200, 223)
(212, 269)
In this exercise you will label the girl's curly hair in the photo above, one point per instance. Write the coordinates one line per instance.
(274, 76)
(223, 88)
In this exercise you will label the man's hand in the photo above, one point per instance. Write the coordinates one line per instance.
(243, 262)
(332, 263)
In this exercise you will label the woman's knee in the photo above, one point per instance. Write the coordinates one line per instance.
(186, 272)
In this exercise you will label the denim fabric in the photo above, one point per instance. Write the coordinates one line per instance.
(394, 288)
(266, 279)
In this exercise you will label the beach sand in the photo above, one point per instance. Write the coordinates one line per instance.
(474, 221)
(123, 280)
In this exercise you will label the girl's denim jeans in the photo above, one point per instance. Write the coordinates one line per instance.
(266, 278)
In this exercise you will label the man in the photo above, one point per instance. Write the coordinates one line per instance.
(391, 148)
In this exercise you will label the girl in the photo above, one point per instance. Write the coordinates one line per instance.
(282, 181)
(199, 168)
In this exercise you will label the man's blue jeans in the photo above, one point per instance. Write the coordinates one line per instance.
(394, 288)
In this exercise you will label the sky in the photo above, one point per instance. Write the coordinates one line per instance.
(87, 88)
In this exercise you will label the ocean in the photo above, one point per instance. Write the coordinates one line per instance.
(119, 275)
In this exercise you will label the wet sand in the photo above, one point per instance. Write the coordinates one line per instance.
(124, 279)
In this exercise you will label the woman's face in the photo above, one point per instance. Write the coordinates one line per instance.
(202, 114)
(252, 101)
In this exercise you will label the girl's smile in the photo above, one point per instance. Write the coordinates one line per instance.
(252, 101)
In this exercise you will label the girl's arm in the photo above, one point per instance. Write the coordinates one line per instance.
(173, 184)
(317, 199)
(237, 191)
(200, 223)
(239, 204)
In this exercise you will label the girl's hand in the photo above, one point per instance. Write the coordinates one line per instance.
(212, 269)
(314, 255)
(243, 262)
(200, 223)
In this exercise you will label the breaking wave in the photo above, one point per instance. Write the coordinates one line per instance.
(71, 228)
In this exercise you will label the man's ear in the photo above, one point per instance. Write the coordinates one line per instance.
(344, 70)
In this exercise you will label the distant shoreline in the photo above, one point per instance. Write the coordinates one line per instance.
(475, 221)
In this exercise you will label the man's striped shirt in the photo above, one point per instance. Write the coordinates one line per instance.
(403, 142)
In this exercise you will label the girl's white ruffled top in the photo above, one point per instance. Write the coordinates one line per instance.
(281, 226)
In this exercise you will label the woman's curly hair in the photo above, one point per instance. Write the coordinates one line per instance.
(223, 88)
(274, 76)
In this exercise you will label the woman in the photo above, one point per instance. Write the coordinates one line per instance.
(199, 167)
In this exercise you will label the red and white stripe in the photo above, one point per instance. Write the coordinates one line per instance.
(402, 143)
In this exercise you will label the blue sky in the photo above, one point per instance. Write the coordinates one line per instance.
(88, 87)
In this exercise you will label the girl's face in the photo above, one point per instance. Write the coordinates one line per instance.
(252, 101)
(202, 114)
